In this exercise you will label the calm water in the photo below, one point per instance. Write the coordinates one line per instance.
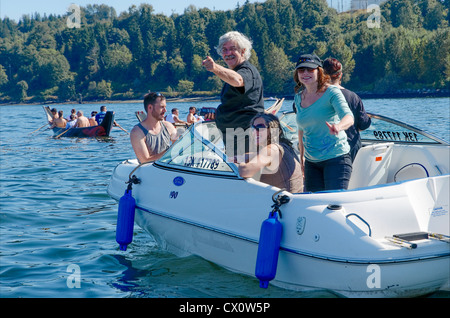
(57, 221)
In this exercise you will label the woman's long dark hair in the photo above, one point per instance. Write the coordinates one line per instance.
(274, 123)
(333, 68)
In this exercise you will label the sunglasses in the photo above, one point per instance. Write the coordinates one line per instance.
(153, 96)
(156, 95)
(259, 126)
(307, 69)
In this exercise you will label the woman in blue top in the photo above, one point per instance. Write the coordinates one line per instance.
(323, 115)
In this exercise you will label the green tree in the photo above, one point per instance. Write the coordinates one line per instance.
(432, 12)
(3, 76)
(403, 47)
(220, 23)
(191, 38)
(127, 53)
(342, 52)
(20, 92)
(311, 12)
(278, 71)
(66, 89)
(404, 13)
(92, 90)
(136, 44)
(25, 63)
(436, 57)
(98, 13)
(214, 84)
(91, 61)
(185, 86)
(52, 68)
(42, 37)
(177, 67)
(117, 59)
(104, 90)
(367, 42)
(118, 36)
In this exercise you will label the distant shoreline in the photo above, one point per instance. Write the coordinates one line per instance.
(194, 99)
(440, 93)
(115, 101)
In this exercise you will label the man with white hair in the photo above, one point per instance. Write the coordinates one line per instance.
(242, 94)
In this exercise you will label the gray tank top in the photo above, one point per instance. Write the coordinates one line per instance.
(156, 143)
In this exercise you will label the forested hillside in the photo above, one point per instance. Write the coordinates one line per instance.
(123, 55)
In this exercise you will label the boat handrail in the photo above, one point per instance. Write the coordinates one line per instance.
(364, 221)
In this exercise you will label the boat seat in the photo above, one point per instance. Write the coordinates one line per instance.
(411, 171)
(371, 165)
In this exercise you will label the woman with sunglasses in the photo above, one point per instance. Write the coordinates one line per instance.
(274, 156)
(323, 115)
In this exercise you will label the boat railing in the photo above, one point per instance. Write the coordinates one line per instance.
(362, 220)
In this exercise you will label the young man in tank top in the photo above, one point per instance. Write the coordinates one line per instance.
(151, 138)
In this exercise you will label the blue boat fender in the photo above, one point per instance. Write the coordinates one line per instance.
(125, 216)
(269, 245)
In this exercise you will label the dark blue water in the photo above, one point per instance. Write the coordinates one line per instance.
(57, 223)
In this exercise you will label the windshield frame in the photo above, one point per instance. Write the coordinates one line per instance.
(193, 132)
(435, 139)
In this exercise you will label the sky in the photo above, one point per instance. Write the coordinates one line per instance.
(14, 9)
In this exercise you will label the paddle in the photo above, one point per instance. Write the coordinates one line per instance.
(43, 131)
(63, 132)
(121, 128)
(38, 129)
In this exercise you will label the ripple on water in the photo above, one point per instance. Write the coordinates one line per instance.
(55, 213)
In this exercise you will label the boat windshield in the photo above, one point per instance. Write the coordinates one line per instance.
(387, 129)
(200, 149)
(382, 129)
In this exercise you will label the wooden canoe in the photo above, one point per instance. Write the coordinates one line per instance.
(102, 130)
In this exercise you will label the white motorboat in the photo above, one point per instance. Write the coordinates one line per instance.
(387, 236)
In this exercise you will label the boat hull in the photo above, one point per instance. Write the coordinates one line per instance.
(297, 271)
(102, 130)
(332, 251)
